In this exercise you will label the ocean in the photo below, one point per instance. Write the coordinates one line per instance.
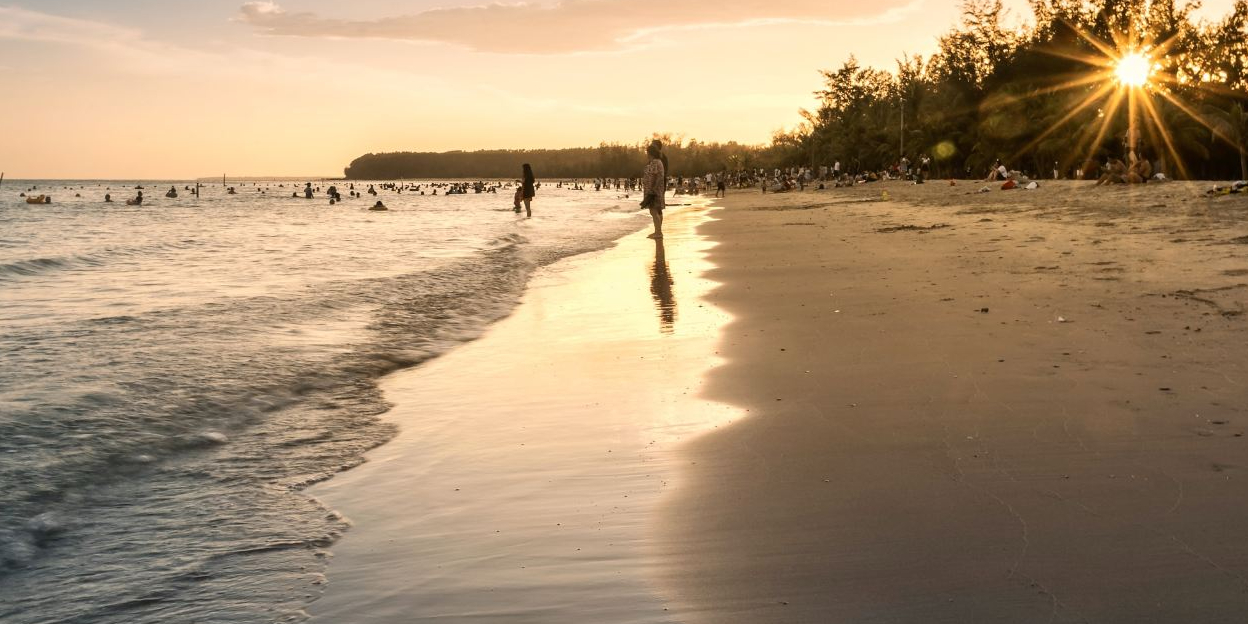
(175, 373)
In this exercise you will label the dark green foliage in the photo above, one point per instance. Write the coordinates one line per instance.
(605, 161)
(1042, 95)
(1037, 97)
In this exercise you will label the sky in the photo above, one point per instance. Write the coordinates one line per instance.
(178, 89)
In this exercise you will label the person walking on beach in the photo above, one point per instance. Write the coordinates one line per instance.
(529, 190)
(654, 187)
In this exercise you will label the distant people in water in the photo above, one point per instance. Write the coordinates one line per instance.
(519, 196)
(172, 193)
(334, 194)
(231, 191)
(529, 188)
(108, 198)
(378, 206)
(307, 190)
(137, 201)
(654, 186)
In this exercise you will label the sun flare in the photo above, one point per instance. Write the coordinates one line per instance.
(1133, 69)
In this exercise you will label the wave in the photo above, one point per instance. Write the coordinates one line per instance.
(207, 416)
(233, 391)
(38, 266)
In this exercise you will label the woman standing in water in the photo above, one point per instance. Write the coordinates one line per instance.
(528, 190)
(654, 187)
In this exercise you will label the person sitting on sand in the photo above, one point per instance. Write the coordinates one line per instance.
(998, 172)
(1140, 170)
(1115, 172)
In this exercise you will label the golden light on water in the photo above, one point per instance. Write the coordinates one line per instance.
(1133, 69)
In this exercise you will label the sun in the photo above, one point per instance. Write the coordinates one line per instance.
(1133, 69)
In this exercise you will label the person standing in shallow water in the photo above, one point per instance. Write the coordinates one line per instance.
(654, 187)
(528, 189)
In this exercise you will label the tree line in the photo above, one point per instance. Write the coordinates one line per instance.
(1042, 96)
(608, 160)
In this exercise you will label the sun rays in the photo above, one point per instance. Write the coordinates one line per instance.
(1133, 69)
(1127, 80)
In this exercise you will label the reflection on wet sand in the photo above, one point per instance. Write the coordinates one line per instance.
(661, 287)
(533, 497)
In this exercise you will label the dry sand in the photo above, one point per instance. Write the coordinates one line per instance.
(1022, 406)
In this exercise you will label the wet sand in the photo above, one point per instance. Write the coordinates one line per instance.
(1023, 406)
(524, 483)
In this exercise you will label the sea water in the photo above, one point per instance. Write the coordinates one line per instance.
(173, 374)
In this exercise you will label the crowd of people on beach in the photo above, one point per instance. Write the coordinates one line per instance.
(656, 180)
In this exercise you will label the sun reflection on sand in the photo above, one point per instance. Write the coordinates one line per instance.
(530, 463)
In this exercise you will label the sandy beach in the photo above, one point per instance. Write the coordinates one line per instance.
(363, 313)
(945, 406)
(999, 407)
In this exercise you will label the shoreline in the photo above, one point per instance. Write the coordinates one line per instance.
(998, 407)
(1010, 406)
(529, 462)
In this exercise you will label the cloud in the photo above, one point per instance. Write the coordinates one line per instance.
(126, 47)
(119, 49)
(18, 23)
(115, 49)
(570, 25)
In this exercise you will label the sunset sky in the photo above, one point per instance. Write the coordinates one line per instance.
(182, 89)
